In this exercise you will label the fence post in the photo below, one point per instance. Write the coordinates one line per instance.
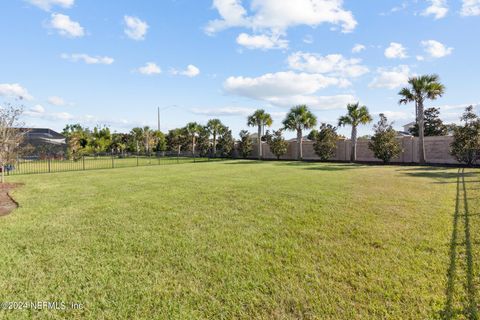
(49, 165)
(113, 164)
(137, 159)
(83, 162)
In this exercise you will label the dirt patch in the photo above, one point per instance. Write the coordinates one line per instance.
(7, 203)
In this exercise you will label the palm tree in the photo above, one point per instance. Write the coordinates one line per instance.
(193, 129)
(298, 119)
(148, 138)
(355, 116)
(421, 88)
(214, 126)
(260, 119)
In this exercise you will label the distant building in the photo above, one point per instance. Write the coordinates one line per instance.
(408, 126)
(43, 142)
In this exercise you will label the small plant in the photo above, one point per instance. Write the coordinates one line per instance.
(277, 143)
(245, 145)
(466, 138)
(384, 143)
(326, 142)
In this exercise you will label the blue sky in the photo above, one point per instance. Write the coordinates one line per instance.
(114, 63)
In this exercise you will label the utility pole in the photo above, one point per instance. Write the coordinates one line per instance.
(158, 118)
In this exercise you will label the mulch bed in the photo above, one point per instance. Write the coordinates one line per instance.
(7, 203)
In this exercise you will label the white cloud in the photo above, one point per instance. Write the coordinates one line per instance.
(470, 8)
(48, 4)
(391, 78)
(397, 115)
(285, 89)
(190, 72)
(65, 26)
(313, 101)
(14, 90)
(358, 48)
(57, 101)
(135, 29)
(39, 112)
(396, 51)
(279, 84)
(150, 68)
(278, 16)
(436, 49)
(262, 41)
(437, 8)
(38, 108)
(308, 39)
(332, 64)
(420, 58)
(225, 111)
(87, 58)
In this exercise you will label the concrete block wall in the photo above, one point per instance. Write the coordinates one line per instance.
(437, 151)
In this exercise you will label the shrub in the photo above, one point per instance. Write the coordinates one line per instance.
(245, 146)
(466, 138)
(277, 143)
(384, 143)
(226, 143)
(326, 142)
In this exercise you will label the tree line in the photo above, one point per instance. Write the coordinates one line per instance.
(216, 139)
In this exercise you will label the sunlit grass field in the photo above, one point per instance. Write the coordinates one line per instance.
(245, 240)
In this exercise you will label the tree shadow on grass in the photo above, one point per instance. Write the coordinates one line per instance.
(438, 173)
(469, 309)
(321, 166)
(244, 162)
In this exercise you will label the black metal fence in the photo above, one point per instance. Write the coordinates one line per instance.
(46, 164)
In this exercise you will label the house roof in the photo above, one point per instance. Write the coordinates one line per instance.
(43, 136)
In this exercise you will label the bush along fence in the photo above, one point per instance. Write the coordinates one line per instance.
(437, 151)
(46, 164)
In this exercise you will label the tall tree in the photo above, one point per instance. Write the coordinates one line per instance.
(176, 139)
(260, 119)
(226, 143)
(356, 115)
(160, 141)
(137, 138)
(77, 140)
(245, 146)
(298, 119)
(148, 137)
(119, 142)
(193, 129)
(326, 141)
(384, 143)
(420, 89)
(203, 144)
(100, 139)
(277, 143)
(433, 125)
(214, 126)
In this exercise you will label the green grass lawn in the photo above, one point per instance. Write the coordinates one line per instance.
(244, 240)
